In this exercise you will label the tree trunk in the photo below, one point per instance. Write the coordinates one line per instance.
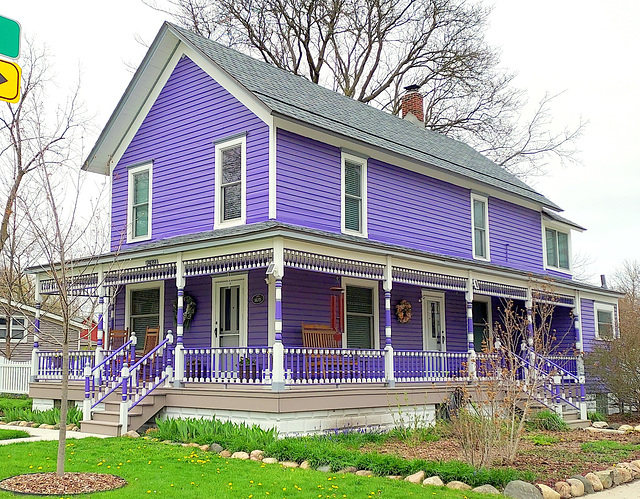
(62, 434)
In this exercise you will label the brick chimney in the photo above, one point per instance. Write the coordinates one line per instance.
(412, 105)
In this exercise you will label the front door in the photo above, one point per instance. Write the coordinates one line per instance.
(433, 328)
(230, 312)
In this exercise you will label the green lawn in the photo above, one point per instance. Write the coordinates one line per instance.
(173, 471)
(10, 434)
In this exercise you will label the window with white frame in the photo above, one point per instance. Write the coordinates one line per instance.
(354, 195)
(18, 327)
(480, 226)
(230, 180)
(605, 321)
(360, 317)
(144, 310)
(139, 214)
(557, 248)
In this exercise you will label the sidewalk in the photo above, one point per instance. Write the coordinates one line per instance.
(626, 491)
(38, 434)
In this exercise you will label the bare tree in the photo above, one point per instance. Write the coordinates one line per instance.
(370, 49)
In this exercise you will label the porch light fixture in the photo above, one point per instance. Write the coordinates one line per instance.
(271, 269)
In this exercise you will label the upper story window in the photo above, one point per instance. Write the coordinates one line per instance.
(557, 248)
(604, 315)
(354, 195)
(230, 179)
(18, 326)
(480, 223)
(139, 214)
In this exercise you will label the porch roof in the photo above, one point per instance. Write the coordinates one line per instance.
(269, 229)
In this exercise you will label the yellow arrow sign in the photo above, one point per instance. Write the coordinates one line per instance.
(9, 81)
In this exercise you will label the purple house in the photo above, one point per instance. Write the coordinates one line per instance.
(311, 262)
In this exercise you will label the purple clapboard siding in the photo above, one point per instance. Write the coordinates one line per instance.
(403, 336)
(178, 134)
(563, 330)
(587, 319)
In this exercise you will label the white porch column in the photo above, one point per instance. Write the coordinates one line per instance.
(388, 358)
(577, 325)
(276, 269)
(530, 353)
(470, 345)
(36, 333)
(101, 344)
(179, 350)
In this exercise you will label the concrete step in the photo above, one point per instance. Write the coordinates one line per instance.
(101, 428)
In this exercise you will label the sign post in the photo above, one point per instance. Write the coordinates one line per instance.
(10, 72)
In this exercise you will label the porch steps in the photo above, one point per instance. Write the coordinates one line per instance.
(107, 421)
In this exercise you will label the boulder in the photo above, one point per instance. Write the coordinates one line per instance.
(46, 426)
(325, 468)
(547, 492)
(625, 474)
(132, 434)
(588, 487)
(416, 477)
(394, 477)
(304, 465)
(24, 423)
(433, 480)
(635, 470)
(485, 489)
(225, 453)
(616, 476)
(605, 478)
(577, 487)
(217, 448)
(564, 489)
(594, 481)
(457, 485)
(635, 463)
(625, 428)
(600, 424)
(289, 464)
(637, 428)
(518, 489)
(348, 469)
(364, 473)
(204, 448)
(240, 455)
(256, 455)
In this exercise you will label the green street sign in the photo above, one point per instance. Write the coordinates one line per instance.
(9, 37)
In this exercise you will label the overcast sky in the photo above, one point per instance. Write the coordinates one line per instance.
(584, 48)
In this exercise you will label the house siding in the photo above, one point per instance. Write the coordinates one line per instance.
(191, 112)
(588, 324)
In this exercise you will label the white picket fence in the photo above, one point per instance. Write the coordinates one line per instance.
(14, 376)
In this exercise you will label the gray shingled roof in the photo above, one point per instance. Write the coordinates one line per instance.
(297, 98)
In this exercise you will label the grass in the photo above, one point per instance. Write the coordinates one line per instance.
(8, 401)
(173, 471)
(540, 439)
(11, 434)
(609, 450)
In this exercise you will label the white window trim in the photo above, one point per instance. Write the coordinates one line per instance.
(363, 283)
(241, 280)
(558, 228)
(485, 200)
(363, 162)
(219, 223)
(24, 329)
(488, 300)
(131, 172)
(605, 307)
(127, 307)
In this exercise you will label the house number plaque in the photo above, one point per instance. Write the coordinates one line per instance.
(257, 299)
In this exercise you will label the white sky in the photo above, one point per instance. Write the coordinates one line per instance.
(584, 48)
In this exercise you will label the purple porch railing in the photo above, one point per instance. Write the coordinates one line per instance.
(418, 365)
(249, 365)
(105, 377)
(568, 363)
(50, 364)
(148, 373)
(333, 365)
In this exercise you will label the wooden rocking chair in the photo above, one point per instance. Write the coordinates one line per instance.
(151, 340)
(117, 338)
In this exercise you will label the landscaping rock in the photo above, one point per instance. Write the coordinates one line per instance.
(616, 476)
(46, 426)
(433, 480)
(615, 426)
(517, 489)
(635, 470)
(605, 478)
(457, 485)
(547, 492)
(348, 469)
(168, 442)
(625, 427)
(594, 481)
(588, 487)
(564, 489)
(256, 455)
(416, 477)
(325, 468)
(226, 453)
(217, 448)
(304, 465)
(486, 489)
(600, 424)
(204, 448)
(625, 474)
(394, 477)
(240, 455)
(23, 423)
(364, 473)
(604, 430)
(290, 464)
(635, 463)
(577, 487)
(130, 434)
(269, 460)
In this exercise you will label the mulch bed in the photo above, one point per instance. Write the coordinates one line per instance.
(70, 483)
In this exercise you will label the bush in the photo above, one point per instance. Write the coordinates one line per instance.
(51, 416)
(596, 416)
(548, 420)
(7, 401)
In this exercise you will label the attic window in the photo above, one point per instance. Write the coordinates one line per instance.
(354, 195)
(557, 248)
(230, 180)
(139, 213)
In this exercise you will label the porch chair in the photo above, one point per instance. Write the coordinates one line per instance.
(151, 339)
(117, 338)
(321, 336)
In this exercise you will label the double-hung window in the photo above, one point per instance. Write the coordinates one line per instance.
(230, 180)
(480, 226)
(18, 326)
(139, 215)
(604, 315)
(360, 316)
(557, 248)
(144, 311)
(354, 195)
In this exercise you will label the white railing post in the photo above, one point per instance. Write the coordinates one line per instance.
(36, 333)
(124, 404)
(277, 379)
(389, 373)
(86, 403)
(178, 362)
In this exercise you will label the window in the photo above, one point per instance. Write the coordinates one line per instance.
(354, 195)
(139, 215)
(605, 321)
(144, 311)
(360, 314)
(480, 223)
(481, 322)
(230, 175)
(557, 246)
(18, 326)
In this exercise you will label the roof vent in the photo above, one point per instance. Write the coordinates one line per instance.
(412, 105)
